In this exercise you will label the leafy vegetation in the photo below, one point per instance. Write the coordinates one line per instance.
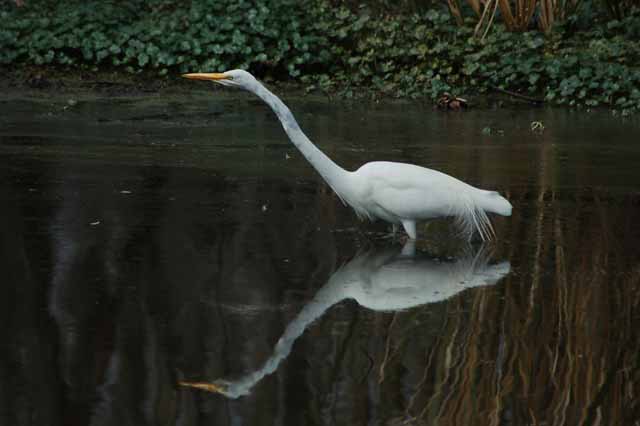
(426, 55)
(329, 47)
(143, 35)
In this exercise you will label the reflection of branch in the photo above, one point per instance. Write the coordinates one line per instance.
(437, 394)
(566, 340)
(387, 349)
(452, 367)
(560, 411)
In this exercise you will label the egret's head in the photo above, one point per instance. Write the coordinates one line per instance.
(235, 78)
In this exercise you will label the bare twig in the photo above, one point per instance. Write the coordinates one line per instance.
(518, 95)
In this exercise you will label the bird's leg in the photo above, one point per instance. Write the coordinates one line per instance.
(410, 228)
(409, 248)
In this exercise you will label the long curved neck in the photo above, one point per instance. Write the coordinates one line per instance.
(335, 175)
(325, 298)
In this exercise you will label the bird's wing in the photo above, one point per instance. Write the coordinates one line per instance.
(410, 191)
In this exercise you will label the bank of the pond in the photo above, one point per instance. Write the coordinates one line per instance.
(324, 48)
(57, 85)
(49, 83)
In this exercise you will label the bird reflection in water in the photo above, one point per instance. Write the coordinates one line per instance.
(382, 280)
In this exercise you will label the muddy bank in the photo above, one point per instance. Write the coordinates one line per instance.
(52, 83)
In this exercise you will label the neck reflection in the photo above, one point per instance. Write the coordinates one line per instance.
(386, 279)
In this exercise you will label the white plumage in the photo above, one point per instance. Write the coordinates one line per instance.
(398, 193)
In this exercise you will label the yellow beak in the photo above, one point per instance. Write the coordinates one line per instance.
(206, 76)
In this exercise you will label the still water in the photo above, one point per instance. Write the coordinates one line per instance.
(148, 241)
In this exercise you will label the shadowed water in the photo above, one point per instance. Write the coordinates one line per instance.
(148, 241)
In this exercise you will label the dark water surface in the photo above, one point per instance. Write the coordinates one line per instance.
(147, 241)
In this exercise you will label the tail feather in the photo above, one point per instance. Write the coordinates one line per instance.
(471, 217)
(492, 202)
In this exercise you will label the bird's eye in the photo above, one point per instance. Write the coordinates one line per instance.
(229, 77)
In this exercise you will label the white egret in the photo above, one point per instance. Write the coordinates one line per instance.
(380, 280)
(398, 193)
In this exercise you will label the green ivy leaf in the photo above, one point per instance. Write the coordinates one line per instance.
(143, 58)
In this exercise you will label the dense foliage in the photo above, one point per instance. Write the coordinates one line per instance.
(426, 55)
(328, 47)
